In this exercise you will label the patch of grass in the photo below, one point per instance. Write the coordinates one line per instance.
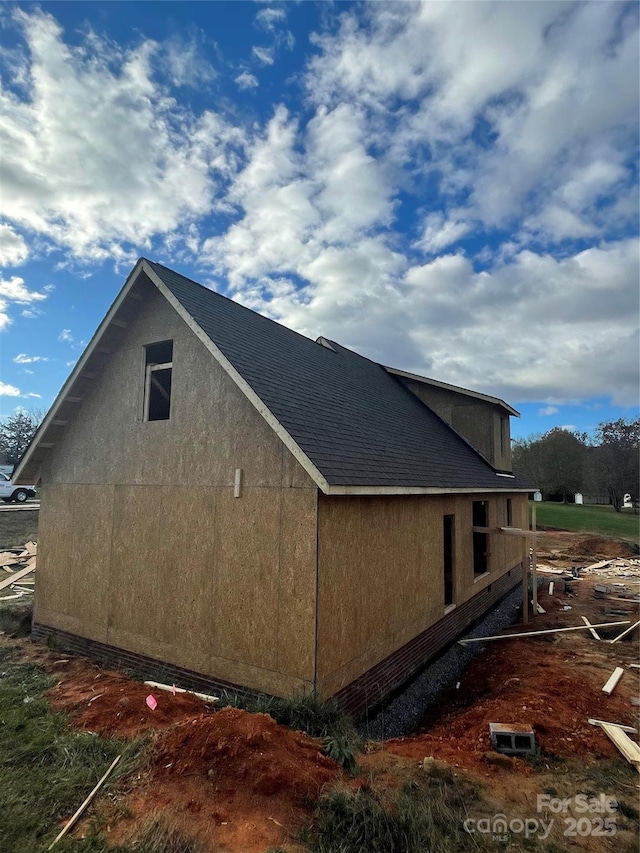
(599, 520)
(628, 810)
(15, 616)
(157, 837)
(46, 768)
(425, 811)
(307, 713)
(18, 527)
(610, 776)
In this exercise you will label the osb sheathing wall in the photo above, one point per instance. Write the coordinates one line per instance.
(380, 573)
(476, 420)
(142, 543)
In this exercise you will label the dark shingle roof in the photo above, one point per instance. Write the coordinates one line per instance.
(357, 424)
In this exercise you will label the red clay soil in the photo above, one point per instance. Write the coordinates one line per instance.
(553, 683)
(227, 777)
(237, 778)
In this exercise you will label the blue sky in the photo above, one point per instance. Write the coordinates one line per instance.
(449, 188)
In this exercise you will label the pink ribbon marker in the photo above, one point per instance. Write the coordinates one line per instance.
(151, 702)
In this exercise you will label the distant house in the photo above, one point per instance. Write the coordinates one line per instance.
(253, 508)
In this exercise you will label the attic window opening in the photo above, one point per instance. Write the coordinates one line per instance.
(157, 386)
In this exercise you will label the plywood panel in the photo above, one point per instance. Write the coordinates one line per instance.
(297, 583)
(55, 531)
(136, 586)
(89, 558)
(247, 534)
(381, 576)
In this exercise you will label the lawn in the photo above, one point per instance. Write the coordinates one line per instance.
(601, 520)
(18, 527)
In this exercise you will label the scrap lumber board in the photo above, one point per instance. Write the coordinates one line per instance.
(624, 633)
(16, 576)
(171, 688)
(614, 678)
(622, 728)
(594, 566)
(627, 747)
(592, 630)
(72, 821)
(551, 588)
(538, 633)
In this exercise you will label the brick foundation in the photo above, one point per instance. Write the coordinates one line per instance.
(140, 666)
(371, 688)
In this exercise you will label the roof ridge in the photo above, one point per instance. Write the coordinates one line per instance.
(239, 304)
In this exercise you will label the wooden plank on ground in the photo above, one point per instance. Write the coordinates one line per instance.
(551, 588)
(592, 630)
(614, 678)
(539, 633)
(627, 747)
(594, 566)
(171, 688)
(624, 633)
(16, 576)
(629, 729)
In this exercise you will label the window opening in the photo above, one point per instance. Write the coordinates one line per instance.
(480, 540)
(158, 370)
(448, 558)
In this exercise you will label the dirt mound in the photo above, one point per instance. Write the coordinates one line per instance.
(596, 546)
(581, 547)
(235, 748)
(109, 703)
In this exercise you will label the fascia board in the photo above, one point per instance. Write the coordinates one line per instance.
(421, 490)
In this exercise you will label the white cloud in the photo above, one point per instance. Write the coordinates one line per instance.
(33, 394)
(245, 80)
(548, 410)
(263, 55)
(22, 358)
(440, 232)
(524, 111)
(186, 63)
(65, 336)
(15, 291)
(98, 158)
(269, 17)
(8, 390)
(13, 249)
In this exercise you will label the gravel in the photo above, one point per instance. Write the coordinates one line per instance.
(403, 713)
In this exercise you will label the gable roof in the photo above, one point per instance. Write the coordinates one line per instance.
(352, 425)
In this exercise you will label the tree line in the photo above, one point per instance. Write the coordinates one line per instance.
(605, 466)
